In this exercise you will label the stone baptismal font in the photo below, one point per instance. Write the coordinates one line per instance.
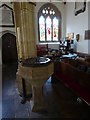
(35, 71)
(32, 71)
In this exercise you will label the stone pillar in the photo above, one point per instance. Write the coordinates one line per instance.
(25, 29)
(25, 34)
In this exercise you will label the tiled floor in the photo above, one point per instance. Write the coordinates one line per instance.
(62, 103)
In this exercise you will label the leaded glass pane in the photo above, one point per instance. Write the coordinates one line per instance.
(53, 12)
(42, 28)
(43, 11)
(46, 11)
(48, 28)
(55, 29)
(50, 12)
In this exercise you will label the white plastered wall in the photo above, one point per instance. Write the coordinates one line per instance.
(77, 24)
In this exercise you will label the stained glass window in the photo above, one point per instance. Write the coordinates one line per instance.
(48, 28)
(49, 23)
(55, 29)
(42, 28)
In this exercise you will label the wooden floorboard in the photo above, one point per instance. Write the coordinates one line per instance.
(62, 102)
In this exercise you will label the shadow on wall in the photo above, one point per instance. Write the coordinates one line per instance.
(75, 45)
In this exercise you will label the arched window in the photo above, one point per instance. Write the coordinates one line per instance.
(49, 23)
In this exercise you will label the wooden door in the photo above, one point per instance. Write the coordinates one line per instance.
(9, 49)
